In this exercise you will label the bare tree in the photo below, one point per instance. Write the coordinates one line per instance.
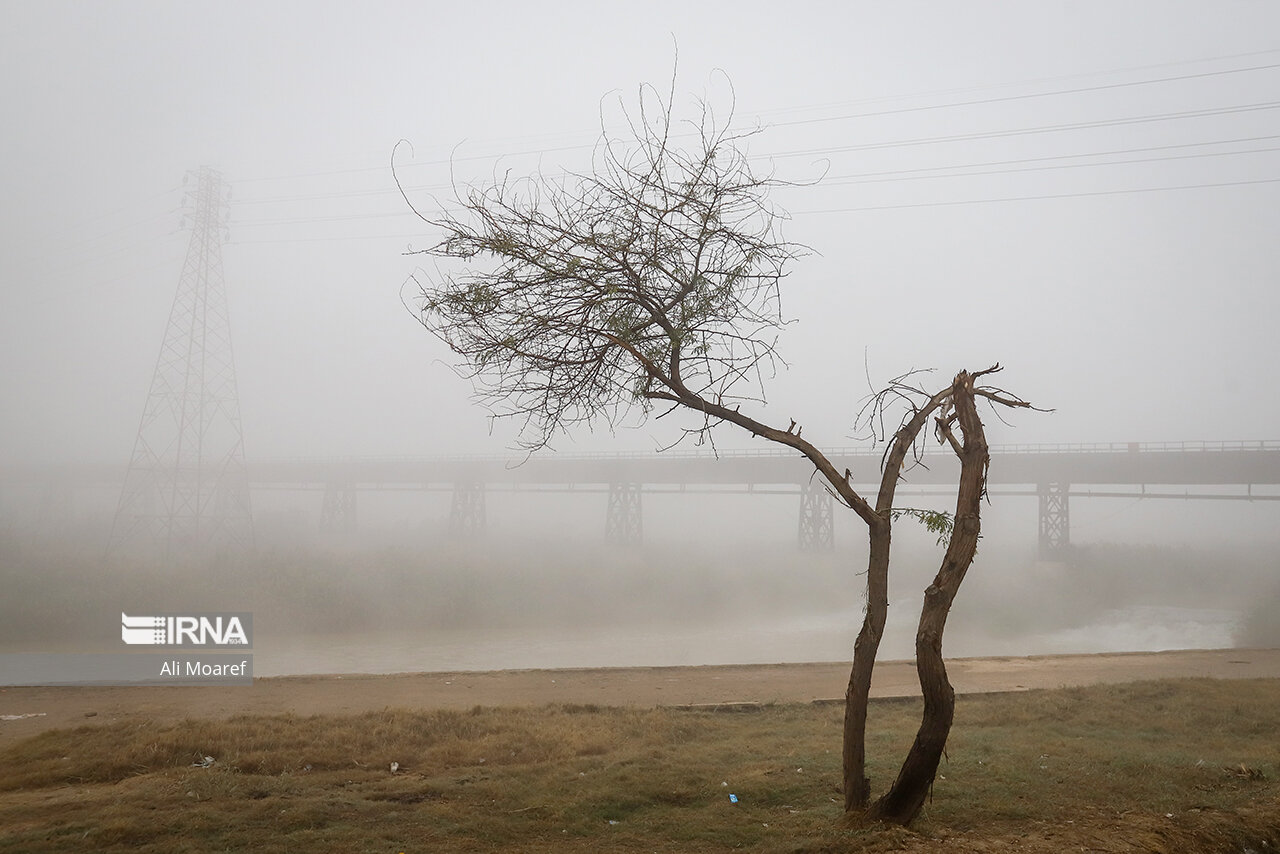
(654, 280)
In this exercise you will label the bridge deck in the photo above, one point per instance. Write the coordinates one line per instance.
(1221, 463)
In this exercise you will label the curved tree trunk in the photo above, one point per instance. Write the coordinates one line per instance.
(857, 786)
(902, 803)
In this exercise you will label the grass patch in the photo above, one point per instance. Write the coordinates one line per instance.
(1158, 766)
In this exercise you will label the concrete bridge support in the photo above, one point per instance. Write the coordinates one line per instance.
(338, 510)
(624, 522)
(1055, 519)
(467, 512)
(816, 529)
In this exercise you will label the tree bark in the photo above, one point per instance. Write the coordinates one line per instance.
(857, 786)
(914, 783)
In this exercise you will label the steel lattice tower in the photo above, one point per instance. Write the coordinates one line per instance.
(187, 491)
(624, 522)
(1055, 519)
(816, 528)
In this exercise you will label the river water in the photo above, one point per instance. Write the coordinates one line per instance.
(827, 637)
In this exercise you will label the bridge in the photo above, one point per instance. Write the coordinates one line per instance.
(1054, 474)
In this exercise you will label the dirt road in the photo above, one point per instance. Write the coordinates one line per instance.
(38, 709)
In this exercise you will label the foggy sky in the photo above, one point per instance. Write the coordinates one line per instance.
(1136, 315)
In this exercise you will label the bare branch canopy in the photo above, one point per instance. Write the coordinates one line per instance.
(651, 279)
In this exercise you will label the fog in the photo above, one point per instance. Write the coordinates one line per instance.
(1086, 193)
(718, 580)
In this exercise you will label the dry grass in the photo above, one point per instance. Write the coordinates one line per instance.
(1122, 768)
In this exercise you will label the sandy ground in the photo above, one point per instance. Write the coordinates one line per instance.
(47, 708)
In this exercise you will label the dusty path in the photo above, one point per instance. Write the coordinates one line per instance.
(630, 686)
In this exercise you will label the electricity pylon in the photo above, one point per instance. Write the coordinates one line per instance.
(187, 491)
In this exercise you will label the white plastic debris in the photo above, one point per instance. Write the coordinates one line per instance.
(20, 717)
(204, 763)
(395, 766)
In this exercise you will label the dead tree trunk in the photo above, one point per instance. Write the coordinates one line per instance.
(902, 803)
(857, 786)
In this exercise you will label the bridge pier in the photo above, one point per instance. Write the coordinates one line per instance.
(624, 523)
(1055, 519)
(816, 528)
(338, 511)
(467, 512)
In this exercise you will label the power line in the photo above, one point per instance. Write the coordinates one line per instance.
(1046, 196)
(891, 176)
(824, 211)
(1040, 129)
(1023, 97)
(1129, 162)
(1108, 153)
(858, 178)
(917, 141)
(1035, 81)
(797, 122)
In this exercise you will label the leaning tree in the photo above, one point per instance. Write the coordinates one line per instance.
(652, 280)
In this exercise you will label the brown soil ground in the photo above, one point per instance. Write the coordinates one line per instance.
(48, 708)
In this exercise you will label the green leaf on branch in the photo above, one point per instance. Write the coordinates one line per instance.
(935, 521)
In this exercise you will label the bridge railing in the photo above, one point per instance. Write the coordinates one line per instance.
(747, 453)
(1139, 447)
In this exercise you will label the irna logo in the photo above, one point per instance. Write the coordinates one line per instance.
(189, 630)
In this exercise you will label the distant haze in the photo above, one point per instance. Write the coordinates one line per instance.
(1085, 192)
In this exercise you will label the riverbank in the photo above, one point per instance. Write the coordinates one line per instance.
(48, 708)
